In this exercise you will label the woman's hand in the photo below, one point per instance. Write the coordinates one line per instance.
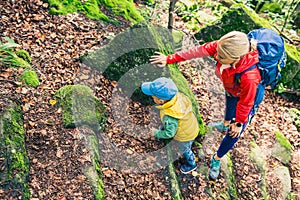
(235, 129)
(158, 59)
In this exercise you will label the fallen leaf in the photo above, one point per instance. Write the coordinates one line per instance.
(59, 153)
(52, 101)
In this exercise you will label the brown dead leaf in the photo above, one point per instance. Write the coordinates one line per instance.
(6, 74)
(59, 153)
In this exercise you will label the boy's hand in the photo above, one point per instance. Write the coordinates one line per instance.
(235, 130)
(152, 133)
(158, 59)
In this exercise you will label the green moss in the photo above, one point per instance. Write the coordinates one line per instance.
(291, 72)
(93, 171)
(30, 78)
(273, 7)
(12, 149)
(90, 8)
(232, 188)
(124, 8)
(283, 141)
(174, 185)
(80, 107)
(24, 55)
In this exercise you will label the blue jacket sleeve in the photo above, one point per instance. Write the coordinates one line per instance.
(169, 130)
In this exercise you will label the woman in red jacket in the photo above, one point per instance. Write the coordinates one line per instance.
(234, 54)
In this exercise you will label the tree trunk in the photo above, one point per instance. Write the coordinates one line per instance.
(171, 10)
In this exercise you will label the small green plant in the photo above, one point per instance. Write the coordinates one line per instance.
(8, 57)
(17, 58)
(24, 55)
(280, 88)
(194, 15)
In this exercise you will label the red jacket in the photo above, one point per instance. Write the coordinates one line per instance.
(246, 90)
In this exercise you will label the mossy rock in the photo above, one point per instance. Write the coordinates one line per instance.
(284, 176)
(242, 18)
(93, 171)
(282, 150)
(30, 78)
(174, 185)
(258, 158)
(126, 60)
(80, 107)
(15, 172)
(125, 8)
(227, 169)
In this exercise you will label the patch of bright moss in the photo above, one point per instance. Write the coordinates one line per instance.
(80, 107)
(283, 141)
(15, 175)
(232, 188)
(30, 78)
(90, 8)
(125, 8)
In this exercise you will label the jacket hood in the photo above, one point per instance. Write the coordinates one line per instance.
(247, 61)
(177, 107)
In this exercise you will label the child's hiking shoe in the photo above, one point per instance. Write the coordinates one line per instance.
(214, 168)
(219, 126)
(186, 168)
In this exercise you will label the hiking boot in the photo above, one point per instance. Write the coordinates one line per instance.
(219, 126)
(186, 168)
(214, 168)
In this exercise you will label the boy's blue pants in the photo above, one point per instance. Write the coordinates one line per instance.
(228, 142)
(186, 150)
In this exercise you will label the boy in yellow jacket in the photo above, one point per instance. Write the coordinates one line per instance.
(177, 116)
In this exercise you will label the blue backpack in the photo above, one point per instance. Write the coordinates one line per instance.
(272, 59)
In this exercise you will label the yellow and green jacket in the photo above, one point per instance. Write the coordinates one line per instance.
(178, 118)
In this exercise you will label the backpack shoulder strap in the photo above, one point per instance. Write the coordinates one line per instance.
(237, 77)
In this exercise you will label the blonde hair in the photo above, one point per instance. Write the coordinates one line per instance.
(234, 45)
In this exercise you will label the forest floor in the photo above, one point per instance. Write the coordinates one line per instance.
(57, 156)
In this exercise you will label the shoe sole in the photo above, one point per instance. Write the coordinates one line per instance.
(210, 178)
(188, 171)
